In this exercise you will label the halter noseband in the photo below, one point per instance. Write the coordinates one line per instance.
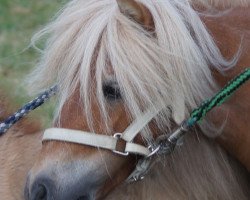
(105, 141)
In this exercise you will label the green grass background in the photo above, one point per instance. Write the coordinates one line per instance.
(19, 20)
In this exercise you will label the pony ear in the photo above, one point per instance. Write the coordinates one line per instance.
(137, 12)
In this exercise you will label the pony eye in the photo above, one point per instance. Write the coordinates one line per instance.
(111, 91)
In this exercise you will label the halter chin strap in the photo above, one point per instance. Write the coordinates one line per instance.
(120, 143)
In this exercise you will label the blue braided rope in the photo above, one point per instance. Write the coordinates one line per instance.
(41, 99)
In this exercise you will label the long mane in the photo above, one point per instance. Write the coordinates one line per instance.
(91, 42)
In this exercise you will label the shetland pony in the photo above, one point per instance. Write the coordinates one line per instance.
(114, 59)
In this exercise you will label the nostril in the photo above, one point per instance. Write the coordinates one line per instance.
(41, 193)
(46, 188)
(42, 189)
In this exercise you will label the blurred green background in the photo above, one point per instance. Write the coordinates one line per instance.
(19, 20)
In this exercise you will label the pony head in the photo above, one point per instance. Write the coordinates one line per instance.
(113, 60)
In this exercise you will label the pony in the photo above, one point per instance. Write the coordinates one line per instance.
(115, 59)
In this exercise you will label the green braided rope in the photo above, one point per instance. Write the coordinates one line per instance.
(198, 114)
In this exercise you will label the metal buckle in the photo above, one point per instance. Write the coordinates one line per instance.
(118, 136)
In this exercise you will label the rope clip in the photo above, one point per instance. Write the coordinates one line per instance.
(165, 144)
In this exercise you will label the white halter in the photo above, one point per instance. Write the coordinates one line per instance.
(165, 143)
(105, 141)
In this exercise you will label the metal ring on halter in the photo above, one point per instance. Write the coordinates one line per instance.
(119, 137)
(153, 150)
